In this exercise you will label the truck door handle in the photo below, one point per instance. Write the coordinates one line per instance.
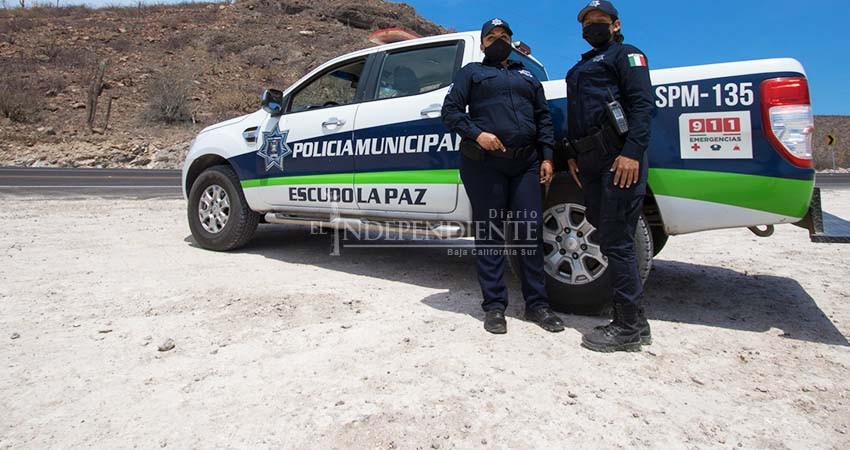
(333, 122)
(431, 110)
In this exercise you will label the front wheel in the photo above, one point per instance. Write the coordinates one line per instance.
(219, 216)
(577, 277)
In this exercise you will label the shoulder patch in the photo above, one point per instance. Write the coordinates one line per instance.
(637, 60)
(526, 73)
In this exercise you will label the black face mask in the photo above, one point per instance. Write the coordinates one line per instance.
(597, 34)
(498, 51)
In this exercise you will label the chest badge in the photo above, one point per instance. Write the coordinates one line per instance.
(526, 73)
(599, 58)
(274, 148)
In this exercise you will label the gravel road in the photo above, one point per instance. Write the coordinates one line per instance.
(116, 331)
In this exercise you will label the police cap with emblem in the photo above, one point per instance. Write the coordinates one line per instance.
(598, 5)
(493, 23)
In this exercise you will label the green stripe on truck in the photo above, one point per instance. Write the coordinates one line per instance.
(783, 196)
(448, 176)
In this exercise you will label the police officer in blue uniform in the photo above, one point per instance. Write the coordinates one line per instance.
(507, 147)
(610, 104)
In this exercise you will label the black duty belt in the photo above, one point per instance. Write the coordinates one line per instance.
(475, 152)
(598, 139)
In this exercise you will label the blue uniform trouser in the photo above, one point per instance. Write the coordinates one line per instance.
(503, 190)
(615, 211)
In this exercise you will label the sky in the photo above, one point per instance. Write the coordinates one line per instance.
(672, 33)
(682, 33)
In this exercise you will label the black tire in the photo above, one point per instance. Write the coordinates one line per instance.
(659, 240)
(592, 298)
(241, 222)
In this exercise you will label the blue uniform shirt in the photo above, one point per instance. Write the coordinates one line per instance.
(616, 70)
(508, 102)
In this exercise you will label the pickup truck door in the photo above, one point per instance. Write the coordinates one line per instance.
(405, 159)
(316, 170)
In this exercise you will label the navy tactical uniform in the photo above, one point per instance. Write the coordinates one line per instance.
(613, 71)
(508, 102)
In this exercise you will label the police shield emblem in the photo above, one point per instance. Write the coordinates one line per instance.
(274, 148)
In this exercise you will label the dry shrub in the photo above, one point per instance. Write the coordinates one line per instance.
(230, 103)
(168, 98)
(222, 44)
(20, 101)
(120, 44)
(179, 40)
(51, 48)
(53, 81)
(265, 56)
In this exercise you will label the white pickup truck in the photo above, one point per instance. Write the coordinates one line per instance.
(358, 142)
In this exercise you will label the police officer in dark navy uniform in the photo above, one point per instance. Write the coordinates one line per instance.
(610, 103)
(507, 145)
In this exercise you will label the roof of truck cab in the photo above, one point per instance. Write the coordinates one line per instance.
(475, 35)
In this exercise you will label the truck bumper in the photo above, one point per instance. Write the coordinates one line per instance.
(824, 228)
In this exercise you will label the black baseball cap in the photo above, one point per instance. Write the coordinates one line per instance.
(598, 5)
(493, 23)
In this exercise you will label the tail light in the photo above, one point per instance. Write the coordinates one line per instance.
(787, 118)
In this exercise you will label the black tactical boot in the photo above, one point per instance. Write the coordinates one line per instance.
(546, 318)
(621, 335)
(494, 322)
(643, 325)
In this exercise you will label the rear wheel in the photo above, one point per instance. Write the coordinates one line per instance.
(577, 277)
(219, 216)
(659, 239)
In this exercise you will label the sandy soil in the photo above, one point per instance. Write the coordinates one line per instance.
(281, 345)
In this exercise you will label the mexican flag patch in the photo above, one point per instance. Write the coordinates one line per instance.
(637, 60)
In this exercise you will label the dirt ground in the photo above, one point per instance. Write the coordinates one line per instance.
(281, 345)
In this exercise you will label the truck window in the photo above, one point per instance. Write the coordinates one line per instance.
(334, 88)
(418, 71)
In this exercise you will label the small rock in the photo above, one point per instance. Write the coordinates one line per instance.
(483, 441)
(167, 345)
(345, 327)
(105, 330)
(339, 403)
(15, 335)
(762, 389)
(79, 105)
(213, 351)
(306, 33)
(572, 395)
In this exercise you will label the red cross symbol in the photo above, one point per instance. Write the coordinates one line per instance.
(696, 147)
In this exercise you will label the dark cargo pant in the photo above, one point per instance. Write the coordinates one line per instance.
(498, 187)
(615, 211)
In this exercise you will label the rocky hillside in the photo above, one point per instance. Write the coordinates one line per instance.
(171, 70)
(168, 70)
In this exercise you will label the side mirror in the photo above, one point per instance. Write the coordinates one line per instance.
(272, 102)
